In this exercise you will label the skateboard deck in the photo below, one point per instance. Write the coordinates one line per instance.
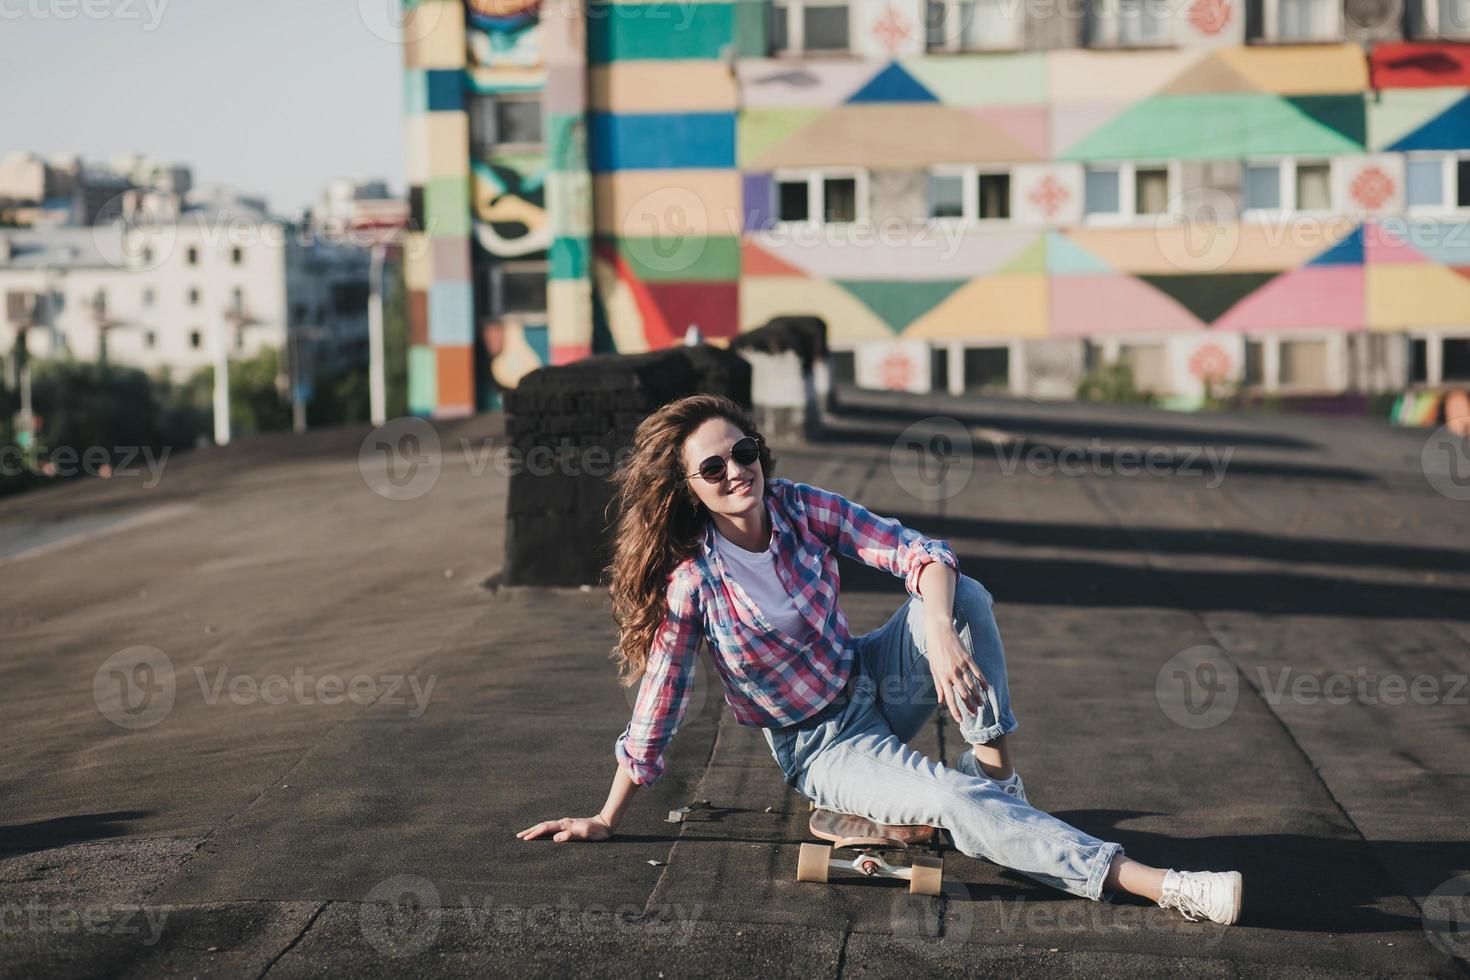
(924, 871)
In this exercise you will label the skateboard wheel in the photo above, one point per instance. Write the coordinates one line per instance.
(811, 865)
(927, 875)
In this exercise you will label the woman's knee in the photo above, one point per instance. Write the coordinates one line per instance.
(970, 597)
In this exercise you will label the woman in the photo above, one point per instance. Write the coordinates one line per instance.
(712, 546)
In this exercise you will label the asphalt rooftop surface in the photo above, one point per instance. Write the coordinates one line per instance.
(318, 761)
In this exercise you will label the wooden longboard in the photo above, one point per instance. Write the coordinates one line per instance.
(850, 830)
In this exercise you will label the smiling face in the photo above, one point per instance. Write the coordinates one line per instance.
(742, 489)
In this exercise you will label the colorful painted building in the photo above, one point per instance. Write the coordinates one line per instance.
(972, 193)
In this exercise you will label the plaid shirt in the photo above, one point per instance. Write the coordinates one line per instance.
(771, 680)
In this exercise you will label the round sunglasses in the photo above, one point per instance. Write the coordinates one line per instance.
(745, 452)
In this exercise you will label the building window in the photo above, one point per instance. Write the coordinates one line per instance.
(1125, 191)
(196, 339)
(994, 196)
(192, 256)
(821, 197)
(1455, 359)
(946, 196)
(518, 287)
(799, 26)
(150, 339)
(508, 118)
(1418, 360)
(1313, 187)
(1303, 364)
(99, 302)
(237, 300)
(987, 368)
(971, 25)
(1289, 21)
(1287, 185)
(148, 296)
(193, 295)
(1255, 362)
(237, 256)
(970, 193)
(1444, 18)
(1437, 182)
(148, 255)
(1149, 364)
(239, 338)
(1128, 23)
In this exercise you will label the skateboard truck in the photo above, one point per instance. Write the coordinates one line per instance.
(871, 841)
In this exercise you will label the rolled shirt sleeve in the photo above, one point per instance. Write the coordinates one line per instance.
(668, 682)
(879, 542)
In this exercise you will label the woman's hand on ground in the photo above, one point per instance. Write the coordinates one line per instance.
(955, 671)
(569, 828)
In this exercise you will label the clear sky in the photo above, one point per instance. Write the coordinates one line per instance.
(274, 96)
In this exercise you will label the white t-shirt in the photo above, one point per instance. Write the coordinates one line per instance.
(756, 573)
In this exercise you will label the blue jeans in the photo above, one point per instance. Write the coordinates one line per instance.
(852, 757)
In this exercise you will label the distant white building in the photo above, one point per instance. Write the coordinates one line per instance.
(162, 289)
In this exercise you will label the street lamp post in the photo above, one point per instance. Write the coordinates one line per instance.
(377, 385)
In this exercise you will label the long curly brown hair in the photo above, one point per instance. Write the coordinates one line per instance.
(660, 520)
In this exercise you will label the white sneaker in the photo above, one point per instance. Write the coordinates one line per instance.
(966, 764)
(1213, 895)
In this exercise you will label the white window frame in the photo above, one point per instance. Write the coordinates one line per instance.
(1337, 367)
(815, 198)
(1014, 361)
(1105, 18)
(1448, 184)
(1286, 191)
(1429, 26)
(796, 29)
(970, 174)
(1127, 213)
(1434, 338)
(1271, 18)
(951, 41)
